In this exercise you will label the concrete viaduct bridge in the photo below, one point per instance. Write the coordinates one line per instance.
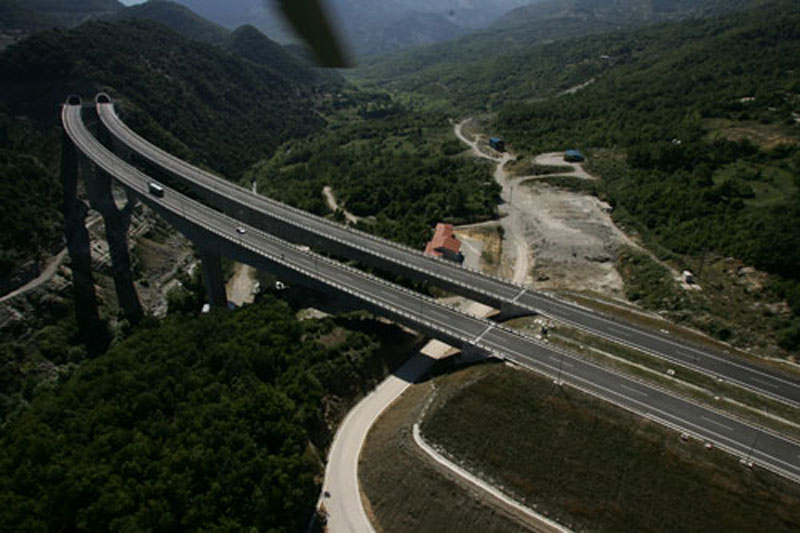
(341, 240)
(251, 229)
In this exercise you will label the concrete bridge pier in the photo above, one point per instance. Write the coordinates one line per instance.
(79, 249)
(212, 273)
(117, 222)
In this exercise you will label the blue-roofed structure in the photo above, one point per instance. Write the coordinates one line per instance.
(497, 144)
(573, 156)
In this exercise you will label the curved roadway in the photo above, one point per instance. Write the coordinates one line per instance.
(753, 444)
(472, 284)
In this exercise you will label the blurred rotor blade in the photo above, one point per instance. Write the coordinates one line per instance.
(309, 20)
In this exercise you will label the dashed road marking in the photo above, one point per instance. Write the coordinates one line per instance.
(720, 424)
(631, 389)
(764, 382)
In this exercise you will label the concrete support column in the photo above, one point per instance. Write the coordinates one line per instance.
(215, 285)
(79, 249)
(117, 223)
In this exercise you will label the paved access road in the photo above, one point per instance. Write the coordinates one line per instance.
(769, 450)
(343, 503)
(469, 283)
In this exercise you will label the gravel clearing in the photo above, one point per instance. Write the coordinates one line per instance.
(555, 239)
(572, 238)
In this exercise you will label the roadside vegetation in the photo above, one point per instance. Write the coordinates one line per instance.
(690, 192)
(398, 168)
(38, 351)
(407, 492)
(694, 128)
(704, 389)
(214, 108)
(217, 421)
(591, 465)
(221, 421)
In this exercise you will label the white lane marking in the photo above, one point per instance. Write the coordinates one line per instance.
(765, 382)
(617, 331)
(631, 389)
(518, 296)
(643, 332)
(145, 146)
(720, 424)
(478, 339)
(559, 360)
(670, 419)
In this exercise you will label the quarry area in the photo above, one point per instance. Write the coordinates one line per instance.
(567, 239)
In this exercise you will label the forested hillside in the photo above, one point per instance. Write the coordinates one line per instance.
(367, 26)
(511, 59)
(203, 103)
(249, 43)
(693, 125)
(703, 118)
(619, 11)
(179, 18)
(71, 12)
(190, 424)
(21, 18)
(397, 167)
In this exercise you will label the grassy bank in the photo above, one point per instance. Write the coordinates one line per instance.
(592, 465)
(406, 491)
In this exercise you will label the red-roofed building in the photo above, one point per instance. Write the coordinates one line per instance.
(444, 244)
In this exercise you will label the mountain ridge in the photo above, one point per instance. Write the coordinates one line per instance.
(619, 11)
(177, 17)
(367, 27)
(199, 101)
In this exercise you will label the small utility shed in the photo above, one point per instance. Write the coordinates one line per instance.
(573, 156)
(497, 144)
(444, 244)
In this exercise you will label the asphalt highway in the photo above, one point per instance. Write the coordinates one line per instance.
(473, 284)
(751, 443)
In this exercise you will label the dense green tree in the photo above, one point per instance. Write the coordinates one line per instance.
(201, 102)
(660, 102)
(396, 167)
(191, 423)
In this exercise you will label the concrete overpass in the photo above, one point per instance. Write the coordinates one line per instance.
(219, 234)
(341, 240)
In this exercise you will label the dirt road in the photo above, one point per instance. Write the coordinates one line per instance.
(515, 246)
(556, 239)
(44, 277)
(524, 221)
(330, 199)
(51, 268)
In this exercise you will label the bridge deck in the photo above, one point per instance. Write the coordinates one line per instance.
(259, 248)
